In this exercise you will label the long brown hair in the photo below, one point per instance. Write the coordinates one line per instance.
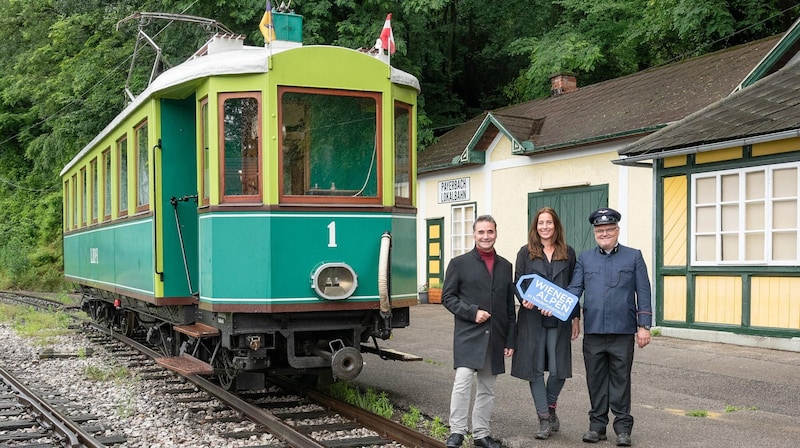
(535, 247)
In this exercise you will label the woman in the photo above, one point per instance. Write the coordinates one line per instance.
(544, 341)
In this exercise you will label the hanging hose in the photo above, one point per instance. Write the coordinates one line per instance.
(384, 274)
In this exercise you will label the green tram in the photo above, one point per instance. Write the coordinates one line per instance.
(252, 211)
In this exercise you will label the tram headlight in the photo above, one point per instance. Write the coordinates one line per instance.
(334, 281)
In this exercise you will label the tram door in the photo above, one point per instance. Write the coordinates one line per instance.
(434, 250)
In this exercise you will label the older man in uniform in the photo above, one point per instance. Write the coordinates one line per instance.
(617, 313)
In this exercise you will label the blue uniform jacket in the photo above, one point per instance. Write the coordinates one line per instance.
(615, 288)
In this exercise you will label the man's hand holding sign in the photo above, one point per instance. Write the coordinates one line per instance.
(548, 297)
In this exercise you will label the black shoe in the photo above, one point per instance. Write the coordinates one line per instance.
(594, 436)
(545, 429)
(555, 423)
(623, 439)
(487, 442)
(455, 440)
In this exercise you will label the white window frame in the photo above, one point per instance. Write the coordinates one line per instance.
(461, 233)
(737, 230)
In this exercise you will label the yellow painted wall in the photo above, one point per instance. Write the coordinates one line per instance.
(776, 147)
(775, 302)
(675, 210)
(718, 300)
(719, 155)
(675, 298)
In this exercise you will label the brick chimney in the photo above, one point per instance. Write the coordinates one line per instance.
(561, 83)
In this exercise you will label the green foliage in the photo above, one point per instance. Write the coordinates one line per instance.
(437, 428)
(412, 418)
(702, 413)
(375, 402)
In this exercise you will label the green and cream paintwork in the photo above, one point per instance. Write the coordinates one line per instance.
(140, 254)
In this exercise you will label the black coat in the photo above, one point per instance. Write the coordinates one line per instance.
(529, 322)
(467, 288)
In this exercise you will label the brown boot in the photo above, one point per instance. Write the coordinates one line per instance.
(544, 430)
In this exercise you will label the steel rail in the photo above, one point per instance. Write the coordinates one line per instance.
(260, 416)
(69, 431)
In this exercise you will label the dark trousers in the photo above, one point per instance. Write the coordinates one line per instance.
(608, 359)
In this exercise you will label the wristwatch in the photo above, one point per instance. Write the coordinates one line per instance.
(646, 327)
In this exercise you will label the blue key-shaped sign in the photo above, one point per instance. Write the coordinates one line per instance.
(547, 296)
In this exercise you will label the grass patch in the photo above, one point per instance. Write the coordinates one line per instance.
(412, 418)
(118, 373)
(437, 428)
(375, 402)
(32, 323)
(732, 408)
(697, 413)
(655, 332)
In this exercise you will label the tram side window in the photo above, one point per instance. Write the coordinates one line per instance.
(94, 191)
(84, 195)
(240, 143)
(330, 145)
(402, 153)
(122, 181)
(74, 193)
(67, 206)
(107, 184)
(142, 168)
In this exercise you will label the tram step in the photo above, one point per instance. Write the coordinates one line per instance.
(186, 365)
(197, 330)
(390, 354)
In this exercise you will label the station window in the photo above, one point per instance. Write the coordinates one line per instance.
(122, 180)
(84, 196)
(748, 216)
(402, 153)
(463, 239)
(142, 168)
(107, 184)
(204, 142)
(240, 147)
(329, 146)
(94, 188)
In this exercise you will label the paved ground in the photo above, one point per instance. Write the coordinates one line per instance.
(751, 395)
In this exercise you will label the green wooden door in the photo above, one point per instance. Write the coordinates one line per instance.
(435, 249)
(573, 206)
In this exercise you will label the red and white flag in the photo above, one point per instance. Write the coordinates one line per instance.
(386, 41)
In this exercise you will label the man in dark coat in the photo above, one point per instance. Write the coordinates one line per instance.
(616, 315)
(479, 291)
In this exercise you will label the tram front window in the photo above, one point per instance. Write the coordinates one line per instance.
(329, 144)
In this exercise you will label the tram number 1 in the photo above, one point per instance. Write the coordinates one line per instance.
(332, 234)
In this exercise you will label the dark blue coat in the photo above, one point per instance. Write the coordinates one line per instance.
(615, 288)
(467, 288)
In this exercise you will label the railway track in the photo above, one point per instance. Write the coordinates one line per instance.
(31, 419)
(285, 414)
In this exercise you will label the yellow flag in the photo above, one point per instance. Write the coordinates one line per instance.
(266, 26)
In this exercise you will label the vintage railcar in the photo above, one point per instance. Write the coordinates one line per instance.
(252, 210)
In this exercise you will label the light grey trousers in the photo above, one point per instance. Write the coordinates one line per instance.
(484, 400)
